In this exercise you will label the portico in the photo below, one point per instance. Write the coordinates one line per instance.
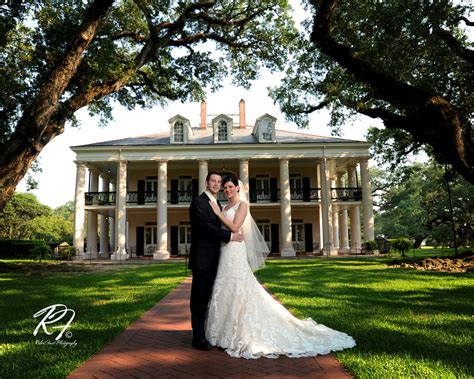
(304, 190)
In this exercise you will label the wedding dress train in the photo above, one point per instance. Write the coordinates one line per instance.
(245, 320)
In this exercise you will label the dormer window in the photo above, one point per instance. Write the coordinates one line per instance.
(180, 130)
(222, 126)
(222, 134)
(264, 129)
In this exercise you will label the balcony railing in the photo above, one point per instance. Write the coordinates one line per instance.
(346, 194)
(256, 196)
(100, 198)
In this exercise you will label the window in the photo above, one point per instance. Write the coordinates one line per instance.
(180, 129)
(222, 134)
(151, 187)
(185, 189)
(263, 187)
(178, 132)
(264, 129)
(267, 131)
(296, 187)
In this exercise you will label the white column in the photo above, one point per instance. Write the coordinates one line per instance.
(244, 175)
(287, 249)
(335, 226)
(343, 232)
(354, 214)
(121, 213)
(104, 223)
(328, 248)
(320, 209)
(161, 251)
(112, 224)
(203, 170)
(367, 206)
(79, 205)
(92, 218)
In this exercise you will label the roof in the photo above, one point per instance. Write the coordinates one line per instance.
(205, 137)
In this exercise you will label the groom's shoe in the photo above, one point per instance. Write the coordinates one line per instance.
(201, 344)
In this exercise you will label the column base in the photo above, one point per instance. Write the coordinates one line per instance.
(330, 252)
(288, 252)
(344, 250)
(119, 255)
(85, 256)
(161, 255)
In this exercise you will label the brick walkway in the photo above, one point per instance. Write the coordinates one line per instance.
(158, 345)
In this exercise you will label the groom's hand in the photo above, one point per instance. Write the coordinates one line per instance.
(237, 237)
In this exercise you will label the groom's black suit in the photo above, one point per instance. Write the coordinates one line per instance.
(206, 237)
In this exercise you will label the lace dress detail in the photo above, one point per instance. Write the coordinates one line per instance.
(245, 320)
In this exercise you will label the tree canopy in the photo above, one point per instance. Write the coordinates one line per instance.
(410, 64)
(24, 217)
(413, 202)
(57, 57)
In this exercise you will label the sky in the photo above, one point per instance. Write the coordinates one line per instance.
(57, 179)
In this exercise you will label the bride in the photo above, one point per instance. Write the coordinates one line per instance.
(242, 317)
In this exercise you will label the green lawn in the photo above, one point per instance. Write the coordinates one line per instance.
(104, 301)
(407, 323)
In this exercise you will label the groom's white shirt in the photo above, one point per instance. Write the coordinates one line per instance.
(211, 196)
(214, 200)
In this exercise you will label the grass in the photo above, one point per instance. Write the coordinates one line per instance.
(105, 302)
(407, 323)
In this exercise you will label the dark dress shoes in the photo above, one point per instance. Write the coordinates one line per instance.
(201, 344)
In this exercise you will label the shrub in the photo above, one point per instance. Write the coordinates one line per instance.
(41, 252)
(68, 253)
(371, 246)
(401, 245)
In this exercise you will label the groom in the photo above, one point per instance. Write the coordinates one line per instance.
(206, 237)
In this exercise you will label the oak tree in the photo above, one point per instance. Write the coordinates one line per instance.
(59, 56)
(407, 63)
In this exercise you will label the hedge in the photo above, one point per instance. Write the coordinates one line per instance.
(14, 248)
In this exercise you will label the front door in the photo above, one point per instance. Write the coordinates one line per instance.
(297, 235)
(184, 239)
(265, 229)
(150, 239)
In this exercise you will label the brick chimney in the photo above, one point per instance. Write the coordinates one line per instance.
(203, 114)
(242, 122)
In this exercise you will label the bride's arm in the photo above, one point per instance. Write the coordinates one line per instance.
(239, 218)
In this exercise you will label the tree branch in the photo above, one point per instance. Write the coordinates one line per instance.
(454, 45)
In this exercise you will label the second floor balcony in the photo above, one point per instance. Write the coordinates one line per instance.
(304, 195)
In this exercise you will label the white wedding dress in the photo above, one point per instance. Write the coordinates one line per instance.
(246, 321)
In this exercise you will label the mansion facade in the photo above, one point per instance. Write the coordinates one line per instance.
(307, 193)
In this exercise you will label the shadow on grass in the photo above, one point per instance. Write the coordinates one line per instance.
(394, 312)
(104, 304)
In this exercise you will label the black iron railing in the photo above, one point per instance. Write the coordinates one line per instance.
(256, 196)
(346, 194)
(100, 198)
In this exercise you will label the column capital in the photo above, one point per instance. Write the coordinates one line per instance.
(80, 163)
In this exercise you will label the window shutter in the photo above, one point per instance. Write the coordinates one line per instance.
(141, 192)
(174, 191)
(308, 237)
(195, 187)
(275, 238)
(253, 190)
(306, 189)
(174, 240)
(274, 190)
(140, 240)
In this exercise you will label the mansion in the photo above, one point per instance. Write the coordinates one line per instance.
(308, 194)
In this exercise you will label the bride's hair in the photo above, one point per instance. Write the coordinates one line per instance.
(231, 178)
